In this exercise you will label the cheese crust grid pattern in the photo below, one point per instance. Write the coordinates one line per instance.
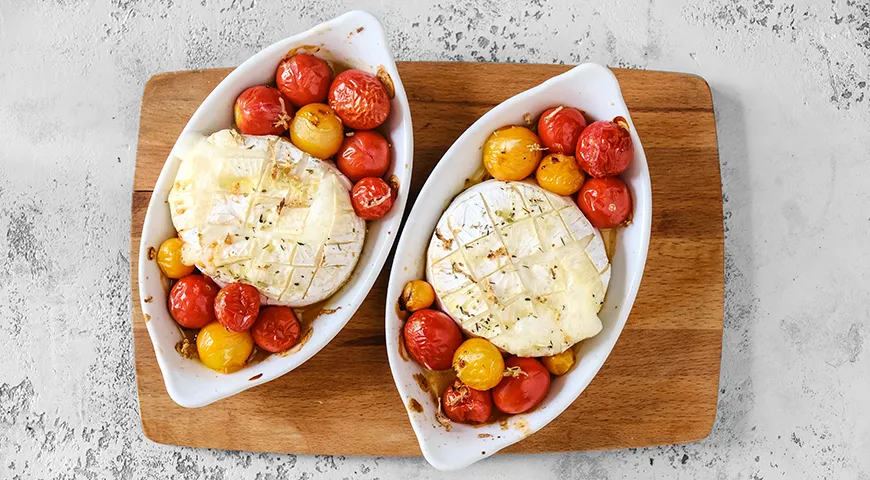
(522, 267)
(258, 210)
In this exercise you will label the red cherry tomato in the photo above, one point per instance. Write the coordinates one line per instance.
(236, 306)
(605, 148)
(276, 329)
(560, 128)
(372, 198)
(262, 110)
(606, 202)
(191, 301)
(464, 404)
(304, 79)
(524, 388)
(365, 154)
(359, 99)
(432, 337)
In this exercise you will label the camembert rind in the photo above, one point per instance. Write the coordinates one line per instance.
(519, 266)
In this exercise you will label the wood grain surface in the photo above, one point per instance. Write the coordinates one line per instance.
(659, 385)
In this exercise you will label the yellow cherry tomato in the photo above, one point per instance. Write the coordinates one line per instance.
(223, 350)
(417, 295)
(560, 174)
(559, 363)
(512, 153)
(317, 130)
(478, 363)
(169, 259)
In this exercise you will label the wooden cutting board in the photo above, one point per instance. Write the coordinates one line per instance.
(659, 385)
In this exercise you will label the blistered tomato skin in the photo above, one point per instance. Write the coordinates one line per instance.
(223, 350)
(431, 337)
(523, 388)
(560, 174)
(560, 128)
(262, 110)
(191, 301)
(317, 130)
(236, 306)
(478, 364)
(463, 404)
(372, 198)
(417, 295)
(303, 79)
(512, 153)
(276, 329)
(605, 148)
(359, 99)
(364, 154)
(606, 202)
(169, 259)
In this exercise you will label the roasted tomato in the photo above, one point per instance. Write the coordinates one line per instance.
(169, 259)
(511, 153)
(605, 148)
(560, 128)
(417, 295)
(606, 202)
(236, 306)
(464, 404)
(276, 329)
(560, 363)
(191, 301)
(359, 99)
(478, 363)
(524, 386)
(559, 174)
(303, 79)
(223, 350)
(431, 337)
(372, 198)
(262, 110)
(364, 154)
(316, 130)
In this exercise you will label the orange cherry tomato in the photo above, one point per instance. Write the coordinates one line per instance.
(606, 202)
(276, 329)
(317, 130)
(236, 306)
(605, 148)
(303, 78)
(464, 404)
(525, 385)
(364, 154)
(559, 174)
(511, 153)
(372, 198)
(262, 110)
(223, 350)
(191, 301)
(359, 99)
(431, 337)
(560, 128)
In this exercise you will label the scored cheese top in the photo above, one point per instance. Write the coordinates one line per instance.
(258, 210)
(520, 266)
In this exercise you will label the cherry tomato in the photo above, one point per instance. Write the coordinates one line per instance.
(524, 387)
(511, 153)
(431, 337)
(417, 295)
(365, 154)
(464, 404)
(169, 259)
(559, 174)
(606, 202)
(605, 148)
(276, 329)
(316, 130)
(560, 363)
(191, 301)
(223, 350)
(359, 99)
(560, 128)
(372, 198)
(262, 110)
(303, 78)
(236, 306)
(478, 363)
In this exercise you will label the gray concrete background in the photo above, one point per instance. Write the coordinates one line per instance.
(789, 82)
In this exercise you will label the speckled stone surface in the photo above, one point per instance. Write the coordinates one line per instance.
(789, 80)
